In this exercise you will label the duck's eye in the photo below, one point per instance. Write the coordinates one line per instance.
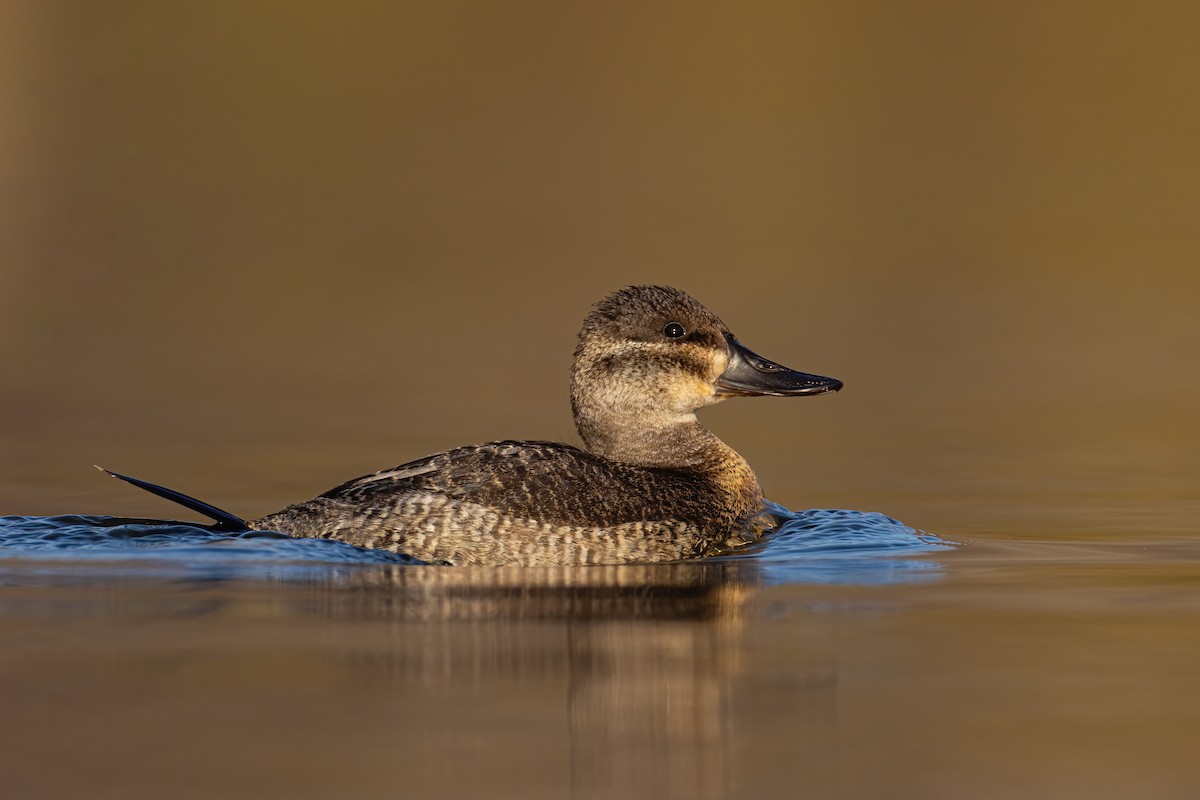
(674, 331)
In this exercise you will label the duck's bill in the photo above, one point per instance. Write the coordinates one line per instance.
(749, 374)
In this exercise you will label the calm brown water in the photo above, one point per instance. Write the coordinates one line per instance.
(1031, 670)
(250, 254)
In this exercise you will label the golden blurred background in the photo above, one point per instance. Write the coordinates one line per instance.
(249, 250)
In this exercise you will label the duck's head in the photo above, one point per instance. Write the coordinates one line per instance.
(649, 356)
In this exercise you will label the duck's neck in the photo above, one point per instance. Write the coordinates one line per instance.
(665, 440)
(684, 445)
(675, 442)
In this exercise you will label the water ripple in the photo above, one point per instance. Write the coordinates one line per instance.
(816, 546)
(843, 546)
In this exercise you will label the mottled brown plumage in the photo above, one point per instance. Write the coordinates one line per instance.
(652, 485)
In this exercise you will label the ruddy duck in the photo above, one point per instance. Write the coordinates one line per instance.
(651, 484)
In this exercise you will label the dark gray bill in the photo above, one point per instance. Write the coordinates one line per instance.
(749, 374)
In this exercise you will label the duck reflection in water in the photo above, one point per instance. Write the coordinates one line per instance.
(652, 483)
(643, 660)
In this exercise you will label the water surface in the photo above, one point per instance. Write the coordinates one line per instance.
(847, 666)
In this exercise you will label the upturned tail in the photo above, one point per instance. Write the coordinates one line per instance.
(225, 521)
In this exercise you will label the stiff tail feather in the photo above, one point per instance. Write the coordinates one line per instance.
(225, 521)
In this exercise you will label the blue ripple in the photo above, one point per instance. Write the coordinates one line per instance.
(816, 546)
(171, 548)
(839, 546)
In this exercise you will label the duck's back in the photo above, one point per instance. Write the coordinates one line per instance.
(522, 503)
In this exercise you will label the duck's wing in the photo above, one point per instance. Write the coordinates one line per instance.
(547, 481)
